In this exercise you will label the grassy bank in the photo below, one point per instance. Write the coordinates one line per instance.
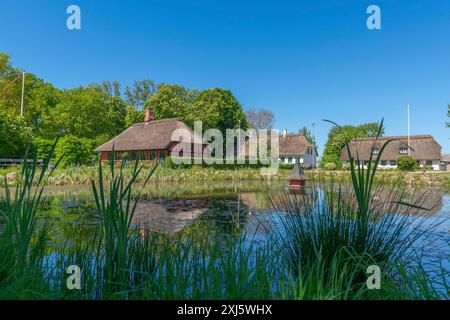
(323, 244)
(432, 179)
(81, 175)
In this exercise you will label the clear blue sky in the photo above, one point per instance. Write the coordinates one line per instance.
(304, 60)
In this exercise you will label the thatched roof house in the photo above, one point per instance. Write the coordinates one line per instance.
(292, 148)
(423, 148)
(148, 140)
(295, 147)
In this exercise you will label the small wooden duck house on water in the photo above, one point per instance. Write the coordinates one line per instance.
(297, 178)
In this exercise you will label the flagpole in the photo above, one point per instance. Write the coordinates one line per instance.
(409, 139)
(23, 89)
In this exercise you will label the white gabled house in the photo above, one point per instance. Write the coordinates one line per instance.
(423, 148)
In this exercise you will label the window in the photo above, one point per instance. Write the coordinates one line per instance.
(152, 155)
(162, 154)
(143, 155)
(117, 154)
(383, 162)
(375, 150)
(403, 150)
(429, 162)
(289, 160)
(393, 163)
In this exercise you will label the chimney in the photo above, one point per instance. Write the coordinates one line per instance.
(148, 115)
(284, 132)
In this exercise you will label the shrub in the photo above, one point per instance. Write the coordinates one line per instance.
(42, 147)
(406, 163)
(286, 166)
(330, 166)
(15, 136)
(74, 150)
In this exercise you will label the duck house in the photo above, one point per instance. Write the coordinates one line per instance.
(297, 177)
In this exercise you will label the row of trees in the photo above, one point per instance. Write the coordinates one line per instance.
(87, 116)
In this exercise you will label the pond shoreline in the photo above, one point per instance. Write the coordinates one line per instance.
(82, 176)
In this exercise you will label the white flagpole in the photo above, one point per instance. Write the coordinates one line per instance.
(23, 89)
(409, 139)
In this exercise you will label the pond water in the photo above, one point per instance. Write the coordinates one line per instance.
(221, 209)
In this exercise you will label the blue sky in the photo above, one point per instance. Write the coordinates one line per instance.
(304, 60)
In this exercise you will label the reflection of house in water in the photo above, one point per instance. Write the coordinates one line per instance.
(167, 216)
(429, 199)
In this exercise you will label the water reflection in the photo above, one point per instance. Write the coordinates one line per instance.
(225, 208)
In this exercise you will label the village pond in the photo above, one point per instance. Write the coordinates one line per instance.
(218, 210)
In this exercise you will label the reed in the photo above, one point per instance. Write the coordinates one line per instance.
(116, 206)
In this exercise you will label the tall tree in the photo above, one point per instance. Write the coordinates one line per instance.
(447, 124)
(260, 118)
(219, 109)
(139, 93)
(307, 133)
(111, 89)
(85, 112)
(39, 96)
(172, 101)
(133, 116)
(338, 137)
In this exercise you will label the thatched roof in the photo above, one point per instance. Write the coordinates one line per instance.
(293, 145)
(424, 147)
(146, 136)
(289, 145)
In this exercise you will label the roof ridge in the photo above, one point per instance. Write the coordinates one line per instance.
(157, 121)
(417, 136)
(292, 134)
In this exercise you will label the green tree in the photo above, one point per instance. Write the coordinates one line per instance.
(139, 93)
(406, 163)
(172, 101)
(15, 136)
(84, 112)
(133, 116)
(116, 116)
(74, 150)
(338, 137)
(219, 109)
(111, 89)
(307, 133)
(447, 124)
(39, 97)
